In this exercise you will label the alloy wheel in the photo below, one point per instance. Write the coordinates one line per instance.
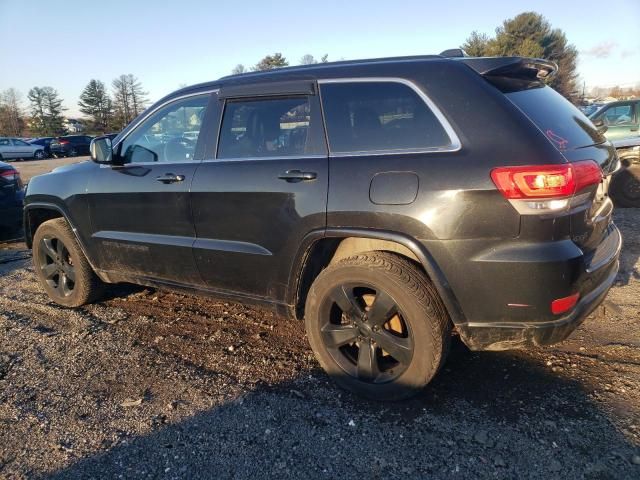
(366, 333)
(57, 266)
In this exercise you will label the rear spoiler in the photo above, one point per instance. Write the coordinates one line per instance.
(511, 67)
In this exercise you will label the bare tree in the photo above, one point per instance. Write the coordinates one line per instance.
(129, 99)
(11, 113)
(238, 69)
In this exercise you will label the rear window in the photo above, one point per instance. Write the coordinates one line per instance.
(563, 124)
(379, 116)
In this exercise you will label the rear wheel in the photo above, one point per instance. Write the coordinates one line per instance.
(39, 154)
(73, 152)
(61, 267)
(377, 325)
(625, 187)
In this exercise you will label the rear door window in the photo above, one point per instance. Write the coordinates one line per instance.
(274, 127)
(380, 116)
(563, 124)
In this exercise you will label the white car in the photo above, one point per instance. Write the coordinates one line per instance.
(12, 148)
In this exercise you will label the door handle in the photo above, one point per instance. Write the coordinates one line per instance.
(293, 176)
(170, 178)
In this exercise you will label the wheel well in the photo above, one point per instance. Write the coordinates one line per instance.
(328, 251)
(36, 217)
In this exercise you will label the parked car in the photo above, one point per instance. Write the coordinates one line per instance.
(620, 123)
(386, 202)
(11, 198)
(70, 145)
(14, 149)
(43, 142)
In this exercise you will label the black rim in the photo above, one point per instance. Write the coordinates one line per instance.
(56, 266)
(366, 333)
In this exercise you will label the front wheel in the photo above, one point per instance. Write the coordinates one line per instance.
(377, 325)
(61, 267)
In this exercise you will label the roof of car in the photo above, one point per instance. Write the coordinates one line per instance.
(349, 68)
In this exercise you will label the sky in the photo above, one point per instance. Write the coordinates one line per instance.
(169, 44)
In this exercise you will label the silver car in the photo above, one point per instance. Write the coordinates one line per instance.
(12, 148)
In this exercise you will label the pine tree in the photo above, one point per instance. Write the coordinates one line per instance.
(46, 111)
(529, 34)
(270, 62)
(95, 102)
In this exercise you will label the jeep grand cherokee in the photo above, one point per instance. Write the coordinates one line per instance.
(386, 202)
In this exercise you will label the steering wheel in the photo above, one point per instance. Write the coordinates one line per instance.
(178, 149)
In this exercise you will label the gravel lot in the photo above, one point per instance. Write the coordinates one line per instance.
(151, 384)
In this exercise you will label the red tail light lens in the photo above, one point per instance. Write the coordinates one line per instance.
(10, 174)
(562, 305)
(63, 142)
(543, 181)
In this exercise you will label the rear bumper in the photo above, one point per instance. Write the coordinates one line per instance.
(506, 336)
(530, 322)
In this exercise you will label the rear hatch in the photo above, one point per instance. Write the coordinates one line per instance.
(569, 130)
(578, 140)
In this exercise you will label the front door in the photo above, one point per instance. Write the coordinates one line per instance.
(254, 202)
(621, 120)
(140, 210)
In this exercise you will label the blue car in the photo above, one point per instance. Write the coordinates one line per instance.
(11, 198)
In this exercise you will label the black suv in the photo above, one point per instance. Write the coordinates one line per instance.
(386, 202)
(70, 145)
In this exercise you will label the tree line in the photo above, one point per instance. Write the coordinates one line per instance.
(105, 111)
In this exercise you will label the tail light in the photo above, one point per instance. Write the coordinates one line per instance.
(540, 188)
(10, 175)
(63, 142)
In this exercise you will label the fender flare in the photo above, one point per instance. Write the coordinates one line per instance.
(425, 258)
(64, 214)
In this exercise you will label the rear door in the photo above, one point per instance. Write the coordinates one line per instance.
(140, 211)
(7, 150)
(265, 188)
(22, 149)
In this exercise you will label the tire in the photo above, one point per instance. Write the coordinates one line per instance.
(73, 152)
(61, 267)
(377, 326)
(39, 155)
(625, 187)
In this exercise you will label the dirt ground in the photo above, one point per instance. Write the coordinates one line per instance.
(151, 384)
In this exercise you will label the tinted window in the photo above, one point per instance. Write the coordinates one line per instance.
(368, 116)
(169, 135)
(265, 128)
(4, 141)
(563, 124)
(20, 143)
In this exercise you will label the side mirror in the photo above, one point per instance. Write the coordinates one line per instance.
(101, 150)
(599, 124)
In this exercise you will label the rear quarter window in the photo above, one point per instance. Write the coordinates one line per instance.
(562, 123)
(379, 116)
